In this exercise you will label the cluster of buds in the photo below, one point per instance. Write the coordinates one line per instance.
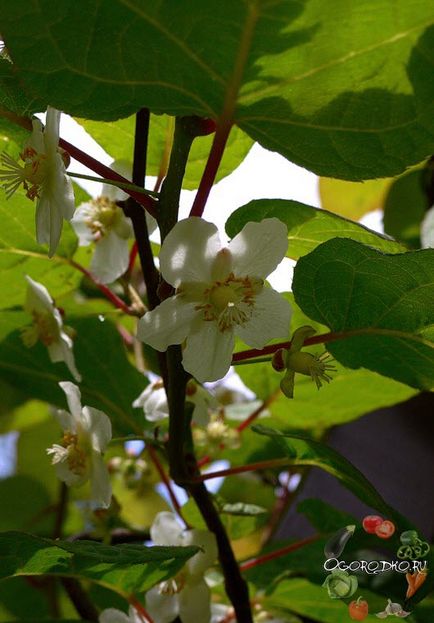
(134, 471)
(216, 434)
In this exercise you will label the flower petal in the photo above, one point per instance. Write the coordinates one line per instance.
(200, 562)
(59, 185)
(195, 602)
(270, 319)
(37, 297)
(188, 251)
(259, 247)
(166, 530)
(101, 489)
(36, 139)
(51, 132)
(99, 427)
(66, 421)
(124, 168)
(208, 353)
(162, 607)
(110, 258)
(73, 398)
(112, 615)
(154, 403)
(49, 223)
(79, 223)
(427, 230)
(169, 323)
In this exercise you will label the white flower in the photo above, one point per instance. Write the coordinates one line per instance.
(111, 615)
(427, 230)
(187, 595)
(103, 222)
(47, 326)
(78, 458)
(153, 400)
(220, 293)
(43, 177)
(392, 609)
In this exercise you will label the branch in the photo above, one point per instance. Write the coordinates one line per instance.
(260, 560)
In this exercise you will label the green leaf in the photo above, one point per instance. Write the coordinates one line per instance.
(324, 517)
(405, 207)
(343, 93)
(14, 99)
(309, 600)
(380, 304)
(125, 569)
(352, 199)
(24, 500)
(117, 138)
(307, 227)
(307, 452)
(110, 382)
(20, 254)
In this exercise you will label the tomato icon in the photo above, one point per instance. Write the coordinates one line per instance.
(385, 529)
(370, 523)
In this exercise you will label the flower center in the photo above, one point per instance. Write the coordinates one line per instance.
(102, 216)
(45, 329)
(231, 301)
(173, 586)
(76, 458)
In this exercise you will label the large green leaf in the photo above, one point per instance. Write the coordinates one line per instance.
(110, 382)
(381, 306)
(21, 255)
(352, 199)
(307, 227)
(117, 138)
(12, 96)
(125, 569)
(307, 452)
(341, 89)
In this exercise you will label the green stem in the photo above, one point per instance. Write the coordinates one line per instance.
(117, 183)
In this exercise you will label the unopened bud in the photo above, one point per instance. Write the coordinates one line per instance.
(279, 360)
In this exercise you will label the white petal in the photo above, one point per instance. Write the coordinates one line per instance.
(200, 562)
(259, 247)
(37, 297)
(154, 403)
(195, 603)
(270, 319)
(162, 608)
(123, 226)
(188, 251)
(427, 230)
(49, 223)
(166, 530)
(201, 406)
(78, 222)
(124, 168)
(99, 427)
(101, 489)
(59, 185)
(68, 356)
(111, 615)
(51, 132)
(64, 474)
(151, 223)
(208, 353)
(167, 324)
(110, 258)
(73, 398)
(36, 139)
(66, 421)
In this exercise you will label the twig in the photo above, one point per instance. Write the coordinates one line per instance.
(160, 469)
(260, 560)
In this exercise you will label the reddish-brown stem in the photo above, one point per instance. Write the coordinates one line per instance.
(241, 468)
(133, 255)
(260, 560)
(257, 412)
(270, 350)
(144, 615)
(147, 202)
(211, 168)
(165, 479)
(111, 296)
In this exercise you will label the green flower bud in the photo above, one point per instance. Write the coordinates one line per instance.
(340, 584)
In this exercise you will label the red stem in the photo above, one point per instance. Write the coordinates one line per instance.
(144, 200)
(211, 168)
(260, 560)
(111, 296)
(140, 609)
(241, 468)
(270, 350)
(156, 461)
(133, 255)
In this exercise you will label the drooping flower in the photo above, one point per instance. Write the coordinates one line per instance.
(103, 222)
(78, 458)
(44, 178)
(220, 293)
(392, 609)
(427, 230)
(294, 360)
(187, 595)
(48, 326)
(153, 400)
